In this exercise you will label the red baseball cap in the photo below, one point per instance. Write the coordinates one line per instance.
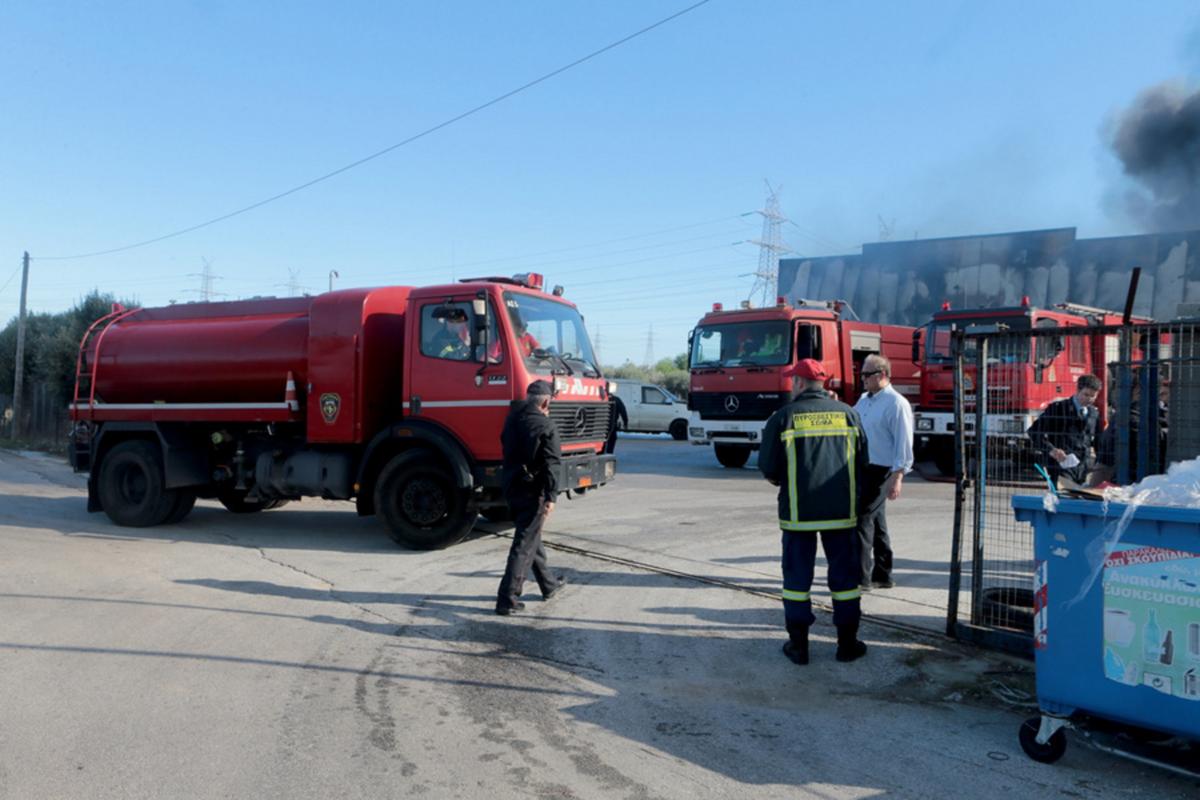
(808, 368)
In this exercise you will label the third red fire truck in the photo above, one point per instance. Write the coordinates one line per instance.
(1025, 374)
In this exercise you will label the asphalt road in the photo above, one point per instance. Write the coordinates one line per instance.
(299, 654)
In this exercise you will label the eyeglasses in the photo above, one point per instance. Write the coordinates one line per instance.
(873, 372)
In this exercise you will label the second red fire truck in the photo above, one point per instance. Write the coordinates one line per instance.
(737, 358)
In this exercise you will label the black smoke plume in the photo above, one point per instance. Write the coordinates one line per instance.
(1158, 142)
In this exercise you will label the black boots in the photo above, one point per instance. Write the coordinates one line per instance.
(849, 647)
(796, 648)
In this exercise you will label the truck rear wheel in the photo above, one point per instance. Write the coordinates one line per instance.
(130, 486)
(420, 503)
(184, 503)
(678, 430)
(733, 456)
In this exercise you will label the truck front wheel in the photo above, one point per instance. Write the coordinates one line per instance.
(131, 486)
(420, 503)
(733, 456)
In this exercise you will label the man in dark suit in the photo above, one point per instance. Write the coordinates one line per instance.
(1066, 431)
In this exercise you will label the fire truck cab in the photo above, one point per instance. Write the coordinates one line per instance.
(737, 358)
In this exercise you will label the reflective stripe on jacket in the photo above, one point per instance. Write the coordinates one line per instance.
(816, 450)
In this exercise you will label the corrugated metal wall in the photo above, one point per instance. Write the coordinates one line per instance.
(905, 282)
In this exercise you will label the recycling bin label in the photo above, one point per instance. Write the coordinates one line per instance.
(1152, 619)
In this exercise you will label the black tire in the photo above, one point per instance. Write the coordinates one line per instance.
(943, 458)
(131, 487)
(185, 501)
(678, 430)
(417, 499)
(1046, 753)
(733, 456)
(1007, 607)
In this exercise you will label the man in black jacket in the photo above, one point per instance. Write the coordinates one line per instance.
(814, 449)
(530, 480)
(1066, 431)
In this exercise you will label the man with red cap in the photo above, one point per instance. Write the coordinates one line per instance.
(814, 449)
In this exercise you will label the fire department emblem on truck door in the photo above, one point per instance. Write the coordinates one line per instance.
(331, 404)
(731, 403)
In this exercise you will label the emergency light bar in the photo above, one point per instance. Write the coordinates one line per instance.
(534, 280)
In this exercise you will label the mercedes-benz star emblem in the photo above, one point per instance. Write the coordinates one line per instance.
(731, 403)
(580, 421)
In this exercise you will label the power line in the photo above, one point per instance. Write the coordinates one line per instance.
(386, 150)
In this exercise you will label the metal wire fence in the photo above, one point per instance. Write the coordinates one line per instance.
(1010, 434)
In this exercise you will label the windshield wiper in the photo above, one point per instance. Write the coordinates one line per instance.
(545, 355)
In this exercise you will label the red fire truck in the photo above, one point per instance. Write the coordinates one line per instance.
(737, 358)
(392, 397)
(1023, 378)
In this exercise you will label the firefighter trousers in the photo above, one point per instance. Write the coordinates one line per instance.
(799, 562)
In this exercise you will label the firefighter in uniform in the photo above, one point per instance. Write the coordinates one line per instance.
(815, 451)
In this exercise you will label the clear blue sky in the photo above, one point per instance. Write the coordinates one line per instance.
(625, 179)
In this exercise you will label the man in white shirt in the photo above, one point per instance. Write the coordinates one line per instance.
(887, 419)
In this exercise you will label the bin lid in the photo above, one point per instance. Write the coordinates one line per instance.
(1091, 508)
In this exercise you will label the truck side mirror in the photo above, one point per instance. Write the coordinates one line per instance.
(480, 307)
(916, 346)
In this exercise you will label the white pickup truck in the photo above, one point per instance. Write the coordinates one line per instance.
(651, 409)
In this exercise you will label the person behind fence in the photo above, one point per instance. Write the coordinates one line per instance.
(529, 476)
(1065, 433)
(813, 449)
(1108, 443)
(887, 418)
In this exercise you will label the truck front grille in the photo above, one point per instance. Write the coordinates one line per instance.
(736, 405)
(580, 422)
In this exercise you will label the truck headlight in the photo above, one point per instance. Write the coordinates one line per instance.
(924, 424)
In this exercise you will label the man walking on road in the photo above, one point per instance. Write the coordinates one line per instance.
(530, 480)
(813, 449)
(887, 418)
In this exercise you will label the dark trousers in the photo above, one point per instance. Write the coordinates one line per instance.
(799, 563)
(873, 541)
(526, 552)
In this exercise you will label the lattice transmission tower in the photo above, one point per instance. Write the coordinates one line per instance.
(770, 248)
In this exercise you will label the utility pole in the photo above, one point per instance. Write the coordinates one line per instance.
(19, 367)
(333, 273)
(770, 248)
(650, 346)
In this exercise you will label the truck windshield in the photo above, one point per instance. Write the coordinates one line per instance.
(742, 344)
(938, 334)
(550, 335)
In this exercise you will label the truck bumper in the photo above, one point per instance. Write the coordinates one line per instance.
(741, 432)
(586, 471)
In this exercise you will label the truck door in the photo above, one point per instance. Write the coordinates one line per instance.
(451, 383)
(862, 344)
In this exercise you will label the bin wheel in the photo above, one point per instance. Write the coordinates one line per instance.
(1046, 753)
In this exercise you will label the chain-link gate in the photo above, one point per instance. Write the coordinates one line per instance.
(1147, 413)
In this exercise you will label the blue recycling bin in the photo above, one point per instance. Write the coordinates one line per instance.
(1116, 621)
